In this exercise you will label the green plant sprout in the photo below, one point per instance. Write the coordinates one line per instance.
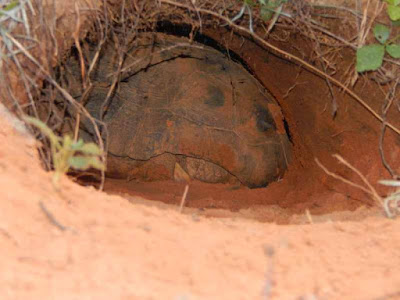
(268, 9)
(370, 57)
(67, 154)
(8, 7)
(393, 9)
(246, 6)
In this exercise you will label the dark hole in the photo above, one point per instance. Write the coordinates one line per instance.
(183, 30)
(285, 123)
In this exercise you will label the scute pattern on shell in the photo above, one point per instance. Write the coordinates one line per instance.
(192, 105)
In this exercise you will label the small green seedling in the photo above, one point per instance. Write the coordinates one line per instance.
(370, 57)
(393, 9)
(8, 7)
(67, 154)
(269, 8)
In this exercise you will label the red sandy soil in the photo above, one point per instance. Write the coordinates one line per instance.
(113, 248)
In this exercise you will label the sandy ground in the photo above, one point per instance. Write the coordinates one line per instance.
(80, 243)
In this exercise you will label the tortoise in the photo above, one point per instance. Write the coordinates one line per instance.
(185, 104)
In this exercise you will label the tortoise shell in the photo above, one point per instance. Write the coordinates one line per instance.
(187, 104)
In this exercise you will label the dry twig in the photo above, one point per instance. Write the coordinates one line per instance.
(393, 199)
(183, 200)
(51, 217)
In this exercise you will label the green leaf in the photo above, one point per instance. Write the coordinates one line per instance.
(269, 9)
(393, 2)
(67, 142)
(39, 124)
(85, 162)
(370, 57)
(393, 50)
(11, 5)
(266, 13)
(79, 162)
(55, 140)
(381, 33)
(393, 12)
(96, 163)
(249, 2)
(90, 148)
(77, 145)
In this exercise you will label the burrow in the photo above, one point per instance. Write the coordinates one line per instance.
(214, 109)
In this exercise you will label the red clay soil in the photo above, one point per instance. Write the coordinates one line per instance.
(305, 102)
(79, 243)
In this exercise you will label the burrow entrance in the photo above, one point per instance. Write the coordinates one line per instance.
(217, 111)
